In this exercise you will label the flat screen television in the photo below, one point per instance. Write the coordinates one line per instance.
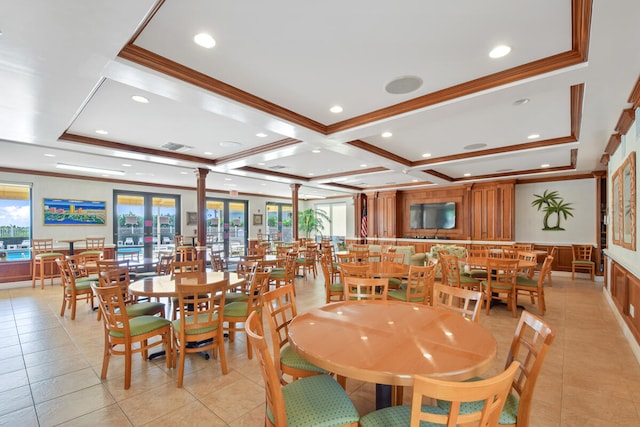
(432, 216)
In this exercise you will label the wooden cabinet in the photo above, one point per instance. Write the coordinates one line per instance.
(383, 214)
(492, 208)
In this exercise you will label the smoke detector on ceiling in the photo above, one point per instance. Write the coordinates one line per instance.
(173, 146)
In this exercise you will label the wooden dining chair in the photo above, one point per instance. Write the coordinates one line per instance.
(475, 269)
(477, 403)
(353, 270)
(529, 257)
(313, 400)
(529, 347)
(44, 264)
(125, 335)
(93, 252)
(359, 289)
(582, 260)
(73, 291)
(280, 305)
(119, 277)
(419, 286)
(458, 300)
(509, 252)
(452, 274)
(535, 288)
(334, 289)
(238, 311)
(200, 326)
(501, 282)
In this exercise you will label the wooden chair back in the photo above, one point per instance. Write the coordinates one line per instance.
(358, 288)
(396, 258)
(491, 393)
(329, 280)
(186, 253)
(42, 246)
(349, 257)
(509, 252)
(527, 256)
(450, 265)
(528, 247)
(458, 300)
(531, 341)
(501, 279)
(280, 305)
(353, 270)
(132, 256)
(420, 282)
(94, 243)
(165, 265)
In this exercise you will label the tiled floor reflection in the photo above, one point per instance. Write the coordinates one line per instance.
(50, 365)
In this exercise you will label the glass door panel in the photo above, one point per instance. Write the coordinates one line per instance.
(215, 225)
(237, 229)
(279, 217)
(227, 227)
(164, 224)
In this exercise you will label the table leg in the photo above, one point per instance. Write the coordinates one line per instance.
(70, 248)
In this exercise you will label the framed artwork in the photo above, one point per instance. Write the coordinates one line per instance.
(192, 218)
(74, 212)
(628, 206)
(257, 219)
(616, 202)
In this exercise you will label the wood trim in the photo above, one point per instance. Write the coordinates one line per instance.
(577, 99)
(277, 145)
(165, 66)
(380, 152)
(614, 141)
(627, 117)
(554, 178)
(634, 97)
(512, 173)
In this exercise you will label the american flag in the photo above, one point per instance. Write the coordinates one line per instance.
(363, 226)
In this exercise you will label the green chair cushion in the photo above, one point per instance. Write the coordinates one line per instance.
(277, 273)
(485, 283)
(80, 286)
(401, 295)
(290, 358)
(143, 308)
(398, 416)
(204, 330)
(142, 325)
(525, 281)
(236, 309)
(394, 281)
(90, 278)
(336, 287)
(583, 262)
(477, 274)
(91, 253)
(50, 255)
(317, 401)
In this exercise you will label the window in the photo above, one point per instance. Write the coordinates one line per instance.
(15, 220)
(338, 214)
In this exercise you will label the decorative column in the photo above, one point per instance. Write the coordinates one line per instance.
(201, 197)
(294, 209)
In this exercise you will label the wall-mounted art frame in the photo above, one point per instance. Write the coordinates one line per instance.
(74, 212)
(628, 207)
(616, 214)
(257, 219)
(192, 218)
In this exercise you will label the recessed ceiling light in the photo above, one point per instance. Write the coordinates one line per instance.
(534, 136)
(499, 51)
(426, 155)
(521, 101)
(545, 165)
(204, 40)
(363, 165)
(474, 146)
(49, 155)
(261, 164)
(387, 134)
(315, 151)
(467, 174)
(208, 153)
(414, 180)
(228, 144)
(336, 109)
(126, 165)
(184, 173)
(227, 179)
(261, 135)
(102, 132)
(140, 99)
(311, 174)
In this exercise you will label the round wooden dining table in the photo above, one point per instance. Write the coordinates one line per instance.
(388, 342)
(165, 286)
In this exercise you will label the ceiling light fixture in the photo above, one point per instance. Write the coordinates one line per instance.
(467, 174)
(546, 165)
(426, 155)
(386, 134)
(521, 101)
(402, 85)
(261, 135)
(88, 169)
(140, 99)
(315, 151)
(49, 155)
(474, 146)
(204, 40)
(126, 165)
(336, 109)
(534, 136)
(208, 153)
(499, 51)
(363, 165)
(102, 132)
(229, 144)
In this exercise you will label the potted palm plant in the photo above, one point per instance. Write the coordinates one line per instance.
(312, 220)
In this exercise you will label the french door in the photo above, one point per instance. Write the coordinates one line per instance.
(227, 225)
(279, 220)
(145, 222)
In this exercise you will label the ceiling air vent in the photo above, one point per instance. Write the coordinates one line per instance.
(176, 147)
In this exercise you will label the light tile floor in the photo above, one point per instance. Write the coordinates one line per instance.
(50, 366)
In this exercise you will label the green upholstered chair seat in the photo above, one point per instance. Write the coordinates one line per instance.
(317, 401)
(290, 358)
(236, 309)
(91, 253)
(336, 287)
(142, 325)
(398, 416)
(525, 281)
(401, 295)
(230, 297)
(495, 286)
(82, 286)
(90, 278)
(583, 262)
(50, 255)
(203, 330)
(509, 413)
(277, 273)
(143, 308)
(395, 282)
(468, 280)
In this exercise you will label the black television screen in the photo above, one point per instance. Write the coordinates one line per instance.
(433, 216)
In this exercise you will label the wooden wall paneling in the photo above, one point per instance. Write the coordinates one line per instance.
(15, 271)
(633, 286)
(619, 287)
(506, 207)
